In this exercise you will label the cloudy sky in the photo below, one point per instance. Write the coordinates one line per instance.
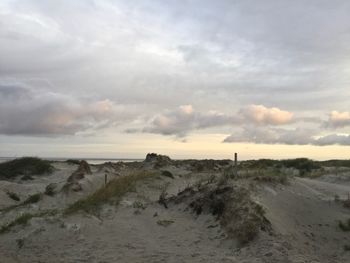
(195, 78)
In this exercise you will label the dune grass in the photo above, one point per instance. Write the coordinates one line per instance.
(345, 226)
(13, 196)
(271, 175)
(34, 198)
(24, 166)
(24, 219)
(115, 189)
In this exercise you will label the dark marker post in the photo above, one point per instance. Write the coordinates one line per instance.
(236, 167)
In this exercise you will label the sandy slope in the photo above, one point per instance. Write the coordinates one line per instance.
(303, 216)
(306, 217)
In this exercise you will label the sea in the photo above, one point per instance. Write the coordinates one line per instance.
(89, 160)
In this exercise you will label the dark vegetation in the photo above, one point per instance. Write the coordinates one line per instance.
(204, 165)
(303, 165)
(345, 226)
(335, 163)
(50, 189)
(232, 206)
(157, 160)
(168, 174)
(73, 161)
(34, 198)
(24, 219)
(346, 203)
(26, 166)
(13, 196)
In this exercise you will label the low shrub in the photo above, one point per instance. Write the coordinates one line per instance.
(13, 196)
(73, 161)
(50, 189)
(24, 166)
(165, 223)
(139, 205)
(168, 174)
(32, 199)
(346, 203)
(345, 226)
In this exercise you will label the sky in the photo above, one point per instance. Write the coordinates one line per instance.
(190, 78)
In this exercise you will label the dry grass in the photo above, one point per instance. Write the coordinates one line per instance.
(115, 189)
(267, 175)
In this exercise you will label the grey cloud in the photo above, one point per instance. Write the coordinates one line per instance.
(298, 136)
(247, 50)
(185, 119)
(333, 139)
(30, 111)
(265, 135)
(338, 119)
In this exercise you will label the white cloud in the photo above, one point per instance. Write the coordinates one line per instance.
(338, 119)
(260, 114)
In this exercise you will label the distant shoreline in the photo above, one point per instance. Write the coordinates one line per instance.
(89, 160)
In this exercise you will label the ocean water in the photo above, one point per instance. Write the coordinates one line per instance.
(89, 160)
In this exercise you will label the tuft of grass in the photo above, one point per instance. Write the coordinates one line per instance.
(139, 205)
(13, 196)
(167, 174)
(165, 223)
(34, 198)
(346, 203)
(115, 189)
(24, 219)
(50, 189)
(24, 166)
(345, 226)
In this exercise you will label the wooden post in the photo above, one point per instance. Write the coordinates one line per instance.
(236, 166)
(105, 179)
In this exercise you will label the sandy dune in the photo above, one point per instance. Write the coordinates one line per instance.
(303, 216)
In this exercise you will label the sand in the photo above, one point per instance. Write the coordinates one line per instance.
(303, 216)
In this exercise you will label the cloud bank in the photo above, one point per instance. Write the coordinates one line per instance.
(29, 111)
(296, 136)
